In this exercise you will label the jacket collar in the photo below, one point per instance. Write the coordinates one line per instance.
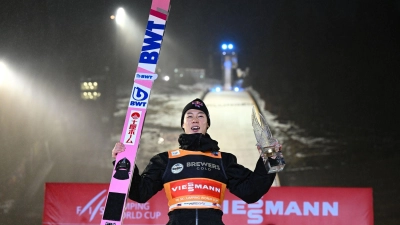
(197, 142)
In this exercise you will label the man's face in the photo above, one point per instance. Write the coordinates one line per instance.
(195, 121)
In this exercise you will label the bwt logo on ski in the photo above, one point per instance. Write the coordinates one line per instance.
(144, 76)
(152, 42)
(139, 97)
(107, 223)
(139, 94)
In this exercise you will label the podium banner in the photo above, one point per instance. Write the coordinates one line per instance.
(83, 203)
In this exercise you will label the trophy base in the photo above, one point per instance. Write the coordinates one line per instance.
(274, 165)
(273, 161)
(275, 169)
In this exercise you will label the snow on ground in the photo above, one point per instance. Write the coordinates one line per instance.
(162, 124)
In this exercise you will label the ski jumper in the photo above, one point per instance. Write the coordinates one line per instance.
(195, 178)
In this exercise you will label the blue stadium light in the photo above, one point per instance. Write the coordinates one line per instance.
(227, 46)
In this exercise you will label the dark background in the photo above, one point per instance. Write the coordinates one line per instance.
(330, 66)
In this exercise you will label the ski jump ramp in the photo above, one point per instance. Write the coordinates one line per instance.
(230, 114)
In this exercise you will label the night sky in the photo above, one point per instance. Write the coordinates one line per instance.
(324, 64)
(313, 56)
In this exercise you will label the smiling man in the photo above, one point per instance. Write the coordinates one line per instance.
(195, 117)
(196, 175)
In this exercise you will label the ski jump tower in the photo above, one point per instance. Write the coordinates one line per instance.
(229, 62)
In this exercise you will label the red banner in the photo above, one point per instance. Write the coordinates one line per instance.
(77, 203)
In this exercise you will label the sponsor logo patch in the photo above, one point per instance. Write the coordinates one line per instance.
(175, 153)
(177, 168)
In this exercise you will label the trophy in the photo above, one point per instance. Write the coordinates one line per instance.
(269, 147)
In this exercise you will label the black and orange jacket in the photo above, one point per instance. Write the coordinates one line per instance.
(248, 185)
(194, 180)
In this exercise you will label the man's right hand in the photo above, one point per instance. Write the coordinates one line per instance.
(119, 147)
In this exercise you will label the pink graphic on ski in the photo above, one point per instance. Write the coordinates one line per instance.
(136, 112)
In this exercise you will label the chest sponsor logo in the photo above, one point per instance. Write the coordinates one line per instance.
(177, 168)
(203, 166)
(191, 186)
(198, 186)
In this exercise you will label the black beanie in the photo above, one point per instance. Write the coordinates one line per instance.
(196, 104)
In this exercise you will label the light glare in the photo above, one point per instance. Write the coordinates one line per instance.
(120, 19)
(5, 75)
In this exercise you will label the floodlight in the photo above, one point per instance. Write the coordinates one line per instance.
(120, 19)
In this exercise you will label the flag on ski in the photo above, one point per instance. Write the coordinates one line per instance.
(136, 112)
